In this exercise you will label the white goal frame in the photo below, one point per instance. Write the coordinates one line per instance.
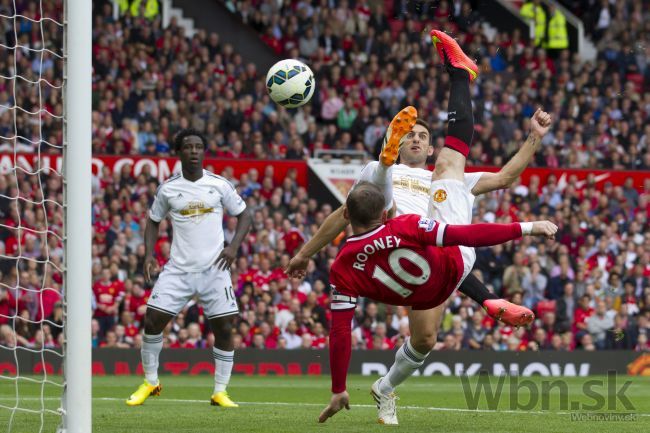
(77, 397)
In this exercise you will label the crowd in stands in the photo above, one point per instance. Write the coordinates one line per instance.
(37, 124)
(590, 288)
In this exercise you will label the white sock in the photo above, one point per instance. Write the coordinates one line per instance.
(223, 361)
(383, 178)
(151, 347)
(407, 360)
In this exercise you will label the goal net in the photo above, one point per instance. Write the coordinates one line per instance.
(33, 304)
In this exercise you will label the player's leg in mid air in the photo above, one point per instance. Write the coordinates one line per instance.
(152, 342)
(218, 299)
(451, 201)
(380, 173)
(424, 325)
(450, 163)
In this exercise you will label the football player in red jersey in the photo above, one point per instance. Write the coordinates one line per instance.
(408, 260)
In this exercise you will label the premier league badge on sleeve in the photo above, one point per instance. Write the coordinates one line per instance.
(427, 224)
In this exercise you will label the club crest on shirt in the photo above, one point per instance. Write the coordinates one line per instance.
(427, 224)
(440, 195)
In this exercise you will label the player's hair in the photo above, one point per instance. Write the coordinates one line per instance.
(188, 132)
(426, 126)
(365, 204)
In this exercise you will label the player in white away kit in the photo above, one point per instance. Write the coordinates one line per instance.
(446, 195)
(199, 265)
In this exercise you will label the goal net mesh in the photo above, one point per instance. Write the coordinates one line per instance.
(32, 232)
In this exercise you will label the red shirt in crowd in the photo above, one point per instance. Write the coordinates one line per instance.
(293, 239)
(137, 305)
(107, 295)
(184, 345)
(581, 316)
(7, 303)
(261, 278)
(604, 261)
(246, 277)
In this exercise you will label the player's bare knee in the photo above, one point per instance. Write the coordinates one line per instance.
(449, 165)
(222, 330)
(223, 334)
(155, 323)
(442, 165)
(424, 343)
(150, 327)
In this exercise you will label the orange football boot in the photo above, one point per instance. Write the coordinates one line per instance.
(401, 125)
(509, 313)
(452, 54)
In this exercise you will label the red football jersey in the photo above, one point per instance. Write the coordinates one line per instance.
(107, 295)
(399, 263)
(403, 262)
(260, 278)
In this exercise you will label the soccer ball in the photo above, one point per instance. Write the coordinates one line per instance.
(290, 83)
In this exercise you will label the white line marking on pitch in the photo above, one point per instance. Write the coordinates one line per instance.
(365, 406)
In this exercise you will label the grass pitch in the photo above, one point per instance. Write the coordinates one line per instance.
(292, 404)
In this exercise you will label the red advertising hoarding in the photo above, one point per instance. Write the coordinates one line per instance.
(161, 167)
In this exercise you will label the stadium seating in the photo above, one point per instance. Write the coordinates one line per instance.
(150, 81)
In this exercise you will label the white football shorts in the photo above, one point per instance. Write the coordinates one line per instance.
(175, 288)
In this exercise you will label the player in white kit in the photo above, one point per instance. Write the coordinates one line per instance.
(199, 264)
(446, 194)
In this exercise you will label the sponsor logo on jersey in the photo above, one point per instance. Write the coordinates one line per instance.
(196, 210)
(414, 186)
(440, 195)
(427, 224)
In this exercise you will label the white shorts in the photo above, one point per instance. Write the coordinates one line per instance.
(452, 202)
(175, 288)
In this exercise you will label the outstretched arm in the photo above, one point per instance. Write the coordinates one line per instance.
(432, 232)
(340, 351)
(333, 225)
(485, 235)
(540, 124)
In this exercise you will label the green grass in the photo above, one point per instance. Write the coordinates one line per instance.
(292, 404)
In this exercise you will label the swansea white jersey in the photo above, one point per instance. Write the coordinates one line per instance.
(196, 210)
(411, 187)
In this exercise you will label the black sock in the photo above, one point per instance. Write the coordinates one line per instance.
(460, 128)
(476, 290)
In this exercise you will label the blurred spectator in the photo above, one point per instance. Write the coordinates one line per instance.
(533, 12)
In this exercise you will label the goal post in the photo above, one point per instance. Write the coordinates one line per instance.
(77, 398)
